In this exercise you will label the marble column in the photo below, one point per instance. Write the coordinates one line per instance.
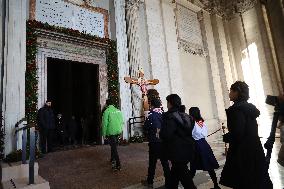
(123, 64)
(2, 39)
(134, 49)
(158, 47)
(223, 60)
(171, 43)
(208, 41)
(13, 106)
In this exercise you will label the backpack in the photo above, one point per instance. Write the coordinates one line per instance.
(184, 131)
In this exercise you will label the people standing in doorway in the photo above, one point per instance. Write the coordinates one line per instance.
(46, 125)
(112, 128)
(61, 131)
(245, 166)
(84, 124)
(176, 135)
(152, 125)
(73, 128)
(205, 159)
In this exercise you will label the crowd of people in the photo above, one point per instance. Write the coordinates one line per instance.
(178, 140)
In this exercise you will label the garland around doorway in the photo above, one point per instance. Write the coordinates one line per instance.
(31, 95)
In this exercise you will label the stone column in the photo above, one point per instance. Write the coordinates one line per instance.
(123, 64)
(171, 42)
(157, 47)
(222, 56)
(208, 40)
(134, 49)
(2, 42)
(14, 68)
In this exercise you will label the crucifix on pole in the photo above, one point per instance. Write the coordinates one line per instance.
(142, 83)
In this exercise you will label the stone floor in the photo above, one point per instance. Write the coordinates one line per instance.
(88, 167)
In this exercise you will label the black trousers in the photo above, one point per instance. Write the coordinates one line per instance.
(155, 153)
(46, 137)
(113, 140)
(180, 172)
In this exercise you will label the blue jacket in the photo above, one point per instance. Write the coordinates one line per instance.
(151, 126)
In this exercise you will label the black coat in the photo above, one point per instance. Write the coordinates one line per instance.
(245, 166)
(176, 136)
(152, 124)
(46, 119)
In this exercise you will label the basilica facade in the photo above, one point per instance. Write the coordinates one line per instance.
(77, 53)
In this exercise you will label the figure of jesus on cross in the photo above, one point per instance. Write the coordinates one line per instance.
(142, 83)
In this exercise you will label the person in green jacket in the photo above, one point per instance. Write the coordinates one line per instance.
(112, 128)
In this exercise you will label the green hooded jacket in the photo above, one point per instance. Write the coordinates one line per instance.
(112, 121)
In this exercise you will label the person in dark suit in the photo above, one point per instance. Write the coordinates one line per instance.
(46, 125)
(152, 126)
(245, 166)
(73, 129)
(176, 136)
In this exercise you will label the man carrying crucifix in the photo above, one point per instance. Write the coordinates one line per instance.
(142, 83)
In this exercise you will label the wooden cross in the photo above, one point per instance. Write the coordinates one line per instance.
(142, 83)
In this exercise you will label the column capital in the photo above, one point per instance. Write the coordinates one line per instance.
(133, 4)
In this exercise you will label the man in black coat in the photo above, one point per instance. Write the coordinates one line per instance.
(46, 125)
(152, 126)
(245, 166)
(176, 135)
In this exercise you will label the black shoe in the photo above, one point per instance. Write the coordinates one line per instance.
(147, 184)
(117, 168)
(113, 164)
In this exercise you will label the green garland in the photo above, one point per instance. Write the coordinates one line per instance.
(31, 68)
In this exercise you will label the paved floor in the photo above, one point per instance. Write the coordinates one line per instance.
(89, 168)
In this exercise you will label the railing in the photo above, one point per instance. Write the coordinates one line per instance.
(132, 122)
(21, 140)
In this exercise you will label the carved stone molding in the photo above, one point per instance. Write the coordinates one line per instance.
(192, 48)
(49, 47)
(228, 9)
(133, 4)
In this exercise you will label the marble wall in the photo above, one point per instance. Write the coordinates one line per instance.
(13, 106)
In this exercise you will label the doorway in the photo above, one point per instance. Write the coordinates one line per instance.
(73, 88)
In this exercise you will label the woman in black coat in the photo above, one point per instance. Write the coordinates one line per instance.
(176, 136)
(245, 166)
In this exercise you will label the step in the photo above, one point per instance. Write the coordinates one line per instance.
(16, 170)
(22, 183)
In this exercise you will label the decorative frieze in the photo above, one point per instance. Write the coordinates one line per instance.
(133, 4)
(70, 48)
(228, 9)
(192, 48)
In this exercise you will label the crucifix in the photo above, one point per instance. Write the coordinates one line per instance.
(142, 83)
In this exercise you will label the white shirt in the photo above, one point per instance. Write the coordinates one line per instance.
(199, 131)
